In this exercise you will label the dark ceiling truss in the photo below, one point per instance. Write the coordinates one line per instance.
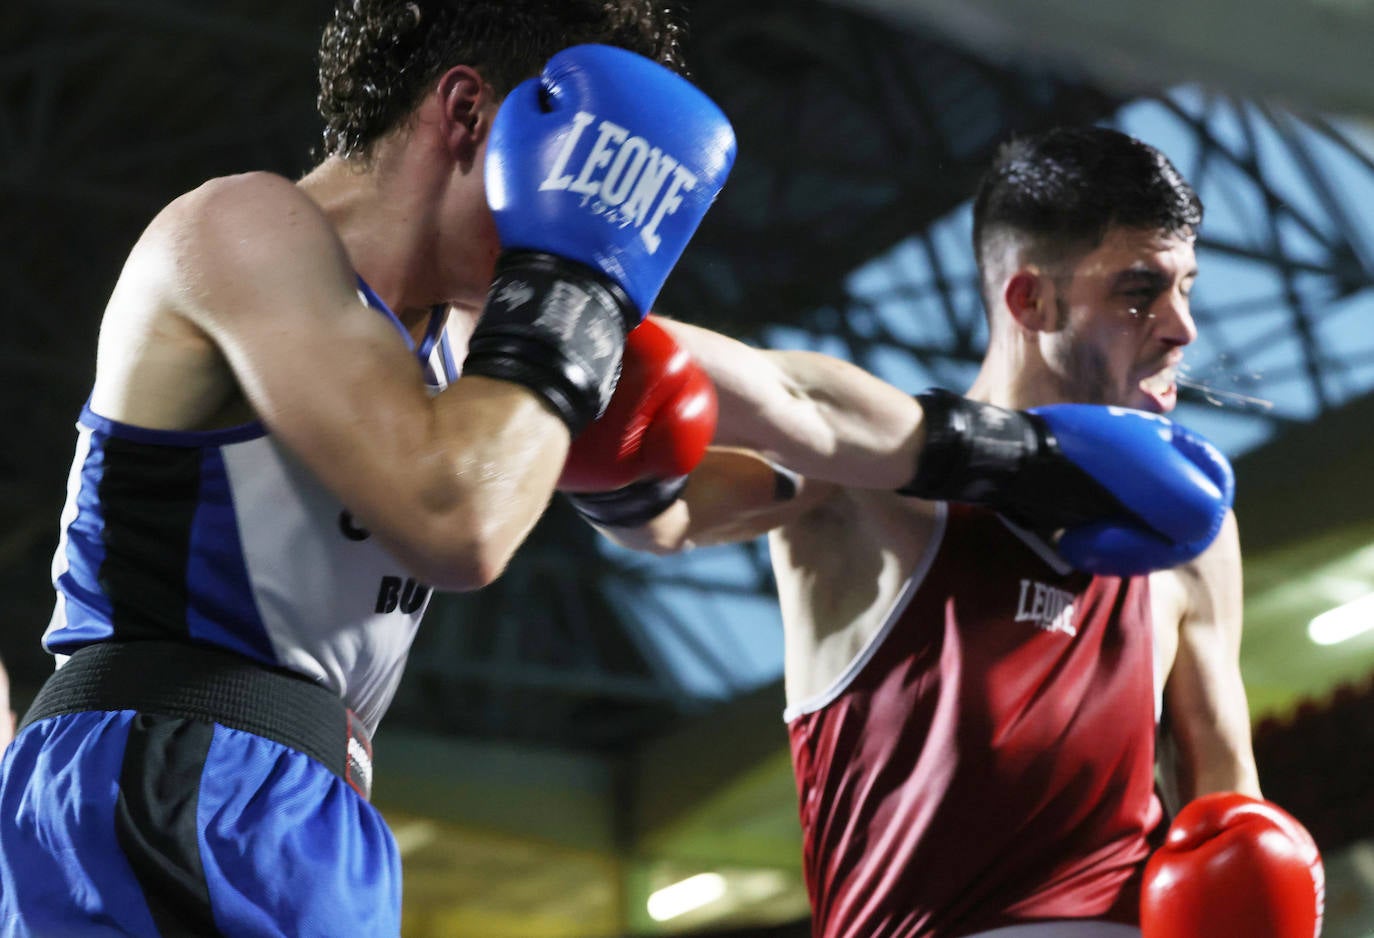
(1271, 242)
(852, 135)
(538, 656)
(569, 647)
(1331, 265)
(252, 25)
(104, 91)
(1336, 260)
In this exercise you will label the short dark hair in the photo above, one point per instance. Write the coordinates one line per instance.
(1062, 190)
(378, 58)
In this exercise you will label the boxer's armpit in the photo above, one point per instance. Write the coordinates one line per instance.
(786, 483)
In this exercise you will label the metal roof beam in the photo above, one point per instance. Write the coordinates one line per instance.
(188, 19)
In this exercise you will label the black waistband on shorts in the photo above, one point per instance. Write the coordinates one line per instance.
(212, 685)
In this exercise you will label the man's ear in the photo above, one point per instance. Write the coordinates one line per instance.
(1027, 299)
(464, 98)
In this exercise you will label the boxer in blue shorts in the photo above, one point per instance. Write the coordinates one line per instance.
(279, 459)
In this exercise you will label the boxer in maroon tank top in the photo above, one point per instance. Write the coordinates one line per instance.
(973, 719)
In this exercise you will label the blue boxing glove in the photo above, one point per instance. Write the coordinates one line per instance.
(1131, 492)
(1177, 488)
(598, 172)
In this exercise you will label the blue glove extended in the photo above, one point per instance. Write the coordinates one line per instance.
(598, 172)
(1130, 491)
(1175, 483)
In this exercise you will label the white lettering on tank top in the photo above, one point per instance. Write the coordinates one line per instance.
(1049, 608)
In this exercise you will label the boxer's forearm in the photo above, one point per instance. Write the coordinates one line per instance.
(732, 496)
(816, 414)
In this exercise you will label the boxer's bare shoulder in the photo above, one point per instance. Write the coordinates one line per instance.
(220, 257)
(840, 567)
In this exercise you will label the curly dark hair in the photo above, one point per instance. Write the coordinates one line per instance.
(378, 58)
(1062, 190)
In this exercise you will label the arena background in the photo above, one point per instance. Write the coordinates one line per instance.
(596, 726)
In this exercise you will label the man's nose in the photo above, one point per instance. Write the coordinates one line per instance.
(1173, 320)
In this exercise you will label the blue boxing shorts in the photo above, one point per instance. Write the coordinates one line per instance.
(135, 823)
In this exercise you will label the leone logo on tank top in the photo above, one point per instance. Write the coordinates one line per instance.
(1049, 608)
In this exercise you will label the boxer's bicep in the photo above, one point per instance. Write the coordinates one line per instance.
(1204, 694)
(858, 429)
(758, 407)
(732, 496)
(260, 270)
(449, 483)
(818, 414)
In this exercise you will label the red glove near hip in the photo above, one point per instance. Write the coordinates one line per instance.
(635, 458)
(1234, 867)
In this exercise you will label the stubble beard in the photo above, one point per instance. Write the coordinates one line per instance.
(1080, 369)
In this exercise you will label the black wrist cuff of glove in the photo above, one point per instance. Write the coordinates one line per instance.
(556, 327)
(1007, 460)
(971, 449)
(631, 505)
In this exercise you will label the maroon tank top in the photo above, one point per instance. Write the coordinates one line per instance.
(989, 760)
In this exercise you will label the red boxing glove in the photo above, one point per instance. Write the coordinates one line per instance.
(657, 425)
(1234, 867)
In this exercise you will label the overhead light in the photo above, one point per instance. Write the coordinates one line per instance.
(411, 836)
(685, 896)
(1343, 622)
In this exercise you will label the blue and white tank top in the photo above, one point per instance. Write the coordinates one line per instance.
(224, 537)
